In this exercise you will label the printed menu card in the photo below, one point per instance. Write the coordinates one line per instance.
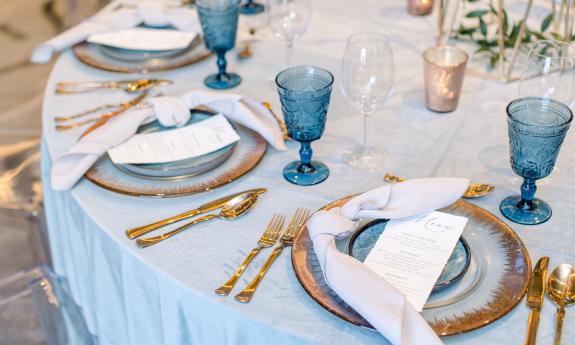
(173, 145)
(411, 253)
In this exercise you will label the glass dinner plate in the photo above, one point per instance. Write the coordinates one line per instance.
(129, 61)
(495, 281)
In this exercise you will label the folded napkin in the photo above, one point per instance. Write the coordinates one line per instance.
(379, 302)
(149, 13)
(170, 111)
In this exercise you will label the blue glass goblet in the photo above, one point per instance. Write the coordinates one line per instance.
(219, 20)
(251, 7)
(537, 127)
(304, 93)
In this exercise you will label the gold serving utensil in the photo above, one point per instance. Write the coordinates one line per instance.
(296, 223)
(130, 86)
(106, 117)
(118, 108)
(229, 211)
(268, 239)
(280, 122)
(474, 190)
(561, 290)
(207, 207)
(535, 298)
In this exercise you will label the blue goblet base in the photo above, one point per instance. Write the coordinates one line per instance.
(538, 213)
(229, 81)
(252, 8)
(296, 173)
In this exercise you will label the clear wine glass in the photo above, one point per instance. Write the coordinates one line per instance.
(288, 20)
(367, 80)
(549, 71)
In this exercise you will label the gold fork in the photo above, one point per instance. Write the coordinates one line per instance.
(118, 109)
(297, 221)
(268, 239)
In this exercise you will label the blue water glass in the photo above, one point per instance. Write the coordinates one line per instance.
(219, 20)
(251, 7)
(304, 93)
(537, 127)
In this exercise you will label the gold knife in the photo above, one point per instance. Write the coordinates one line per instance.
(124, 106)
(210, 206)
(535, 298)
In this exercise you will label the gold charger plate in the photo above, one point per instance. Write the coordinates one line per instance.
(248, 152)
(496, 281)
(92, 55)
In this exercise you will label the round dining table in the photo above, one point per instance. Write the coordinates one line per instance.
(164, 294)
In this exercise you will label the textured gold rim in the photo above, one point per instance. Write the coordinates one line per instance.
(248, 163)
(507, 295)
(80, 53)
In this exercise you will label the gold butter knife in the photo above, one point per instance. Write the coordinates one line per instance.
(207, 207)
(535, 298)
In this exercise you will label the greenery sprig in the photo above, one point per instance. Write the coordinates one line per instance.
(479, 33)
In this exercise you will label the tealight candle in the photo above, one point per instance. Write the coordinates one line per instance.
(419, 7)
(444, 68)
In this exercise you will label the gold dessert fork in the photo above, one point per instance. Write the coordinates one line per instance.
(268, 239)
(296, 223)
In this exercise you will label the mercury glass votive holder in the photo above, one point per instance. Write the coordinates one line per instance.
(419, 7)
(444, 68)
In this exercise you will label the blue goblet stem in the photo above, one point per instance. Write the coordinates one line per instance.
(528, 189)
(222, 64)
(305, 153)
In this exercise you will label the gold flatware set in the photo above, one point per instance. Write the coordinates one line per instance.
(101, 118)
(560, 289)
(231, 207)
(474, 190)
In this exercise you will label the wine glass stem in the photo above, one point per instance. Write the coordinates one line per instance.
(365, 130)
(528, 189)
(305, 153)
(289, 50)
(222, 64)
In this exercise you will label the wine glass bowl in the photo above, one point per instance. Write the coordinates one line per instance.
(549, 71)
(537, 127)
(367, 82)
(219, 21)
(304, 93)
(288, 20)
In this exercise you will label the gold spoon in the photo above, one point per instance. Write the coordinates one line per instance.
(474, 190)
(561, 290)
(230, 211)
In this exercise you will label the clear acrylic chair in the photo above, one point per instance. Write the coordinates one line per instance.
(36, 309)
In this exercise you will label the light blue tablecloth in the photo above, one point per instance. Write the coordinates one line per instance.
(164, 294)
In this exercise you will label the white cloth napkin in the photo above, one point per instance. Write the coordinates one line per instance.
(379, 302)
(149, 13)
(170, 111)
